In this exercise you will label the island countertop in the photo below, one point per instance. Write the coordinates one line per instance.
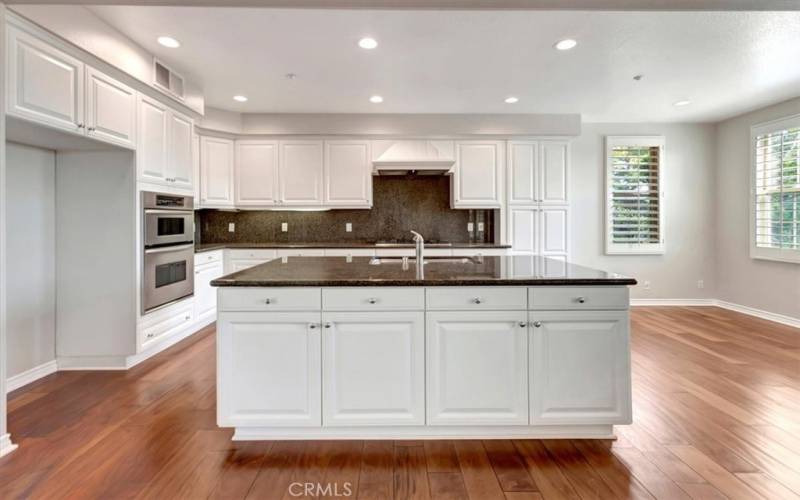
(514, 270)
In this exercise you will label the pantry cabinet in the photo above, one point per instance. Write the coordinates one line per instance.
(553, 181)
(217, 172)
(301, 173)
(539, 230)
(538, 172)
(478, 175)
(256, 173)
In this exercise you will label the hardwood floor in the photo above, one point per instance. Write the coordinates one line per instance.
(716, 415)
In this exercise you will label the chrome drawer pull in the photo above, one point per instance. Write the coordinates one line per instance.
(268, 301)
(581, 300)
(372, 300)
(537, 324)
(477, 300)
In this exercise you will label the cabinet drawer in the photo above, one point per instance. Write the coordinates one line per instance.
(252, 253)
(349, 252)
(477, 298)
(164, 321)
(207, 257)
(578, 298)
(301, 252)
(373, 299)
(269, 299)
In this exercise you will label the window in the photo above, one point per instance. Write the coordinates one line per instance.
(775, 199)
(634, 195)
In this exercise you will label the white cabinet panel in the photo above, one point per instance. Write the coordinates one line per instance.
(348, 174)
(349, 252)
(301, 172)
(151, 154)
(553, 179)
(110, 109)
(580, 368)
(554, 231)
(477, 177)
(524, 229)
(216, 170)
(373, 368)
(205, 296)
(477, 368)
(256, 173)
(270, 367)
(44, 84)
(301, 252)
(523, 173)
(180, 168)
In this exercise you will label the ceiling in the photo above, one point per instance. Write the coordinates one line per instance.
(453, 61)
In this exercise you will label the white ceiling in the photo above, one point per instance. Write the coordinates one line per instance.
(469, 61)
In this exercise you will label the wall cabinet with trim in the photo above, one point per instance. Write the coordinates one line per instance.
(164, 153)
(216, 172)
(478, 175)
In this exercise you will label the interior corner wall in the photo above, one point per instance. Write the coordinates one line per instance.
(688, 177)
(760, 284)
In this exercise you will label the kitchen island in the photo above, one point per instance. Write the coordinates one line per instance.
(359, 348)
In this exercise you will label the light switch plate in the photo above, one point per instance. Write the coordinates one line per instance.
(231, 227)
(284, 227)
(348, 227)
(470, 226)
(480, 226)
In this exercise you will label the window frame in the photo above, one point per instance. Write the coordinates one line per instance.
(756, 252)
(634, 248)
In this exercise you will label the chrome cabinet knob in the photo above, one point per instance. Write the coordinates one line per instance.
(580, 300)
(328, 325)
(312, 326)
(372, 300)
(187, 318)
(81, 125)
(477, 300)
(150, 335)
(268, 301)
(523, 324)
(537, 324)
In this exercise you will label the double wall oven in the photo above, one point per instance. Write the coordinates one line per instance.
(168, 240)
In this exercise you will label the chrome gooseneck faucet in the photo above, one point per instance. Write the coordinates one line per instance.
(419, 243)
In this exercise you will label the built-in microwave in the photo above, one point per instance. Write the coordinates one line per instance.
(168, 219)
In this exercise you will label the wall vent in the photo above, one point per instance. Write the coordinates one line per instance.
(167, 80)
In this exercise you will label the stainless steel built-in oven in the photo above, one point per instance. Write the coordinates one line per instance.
(168, 240)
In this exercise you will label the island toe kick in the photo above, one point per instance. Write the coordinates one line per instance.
(416, 362)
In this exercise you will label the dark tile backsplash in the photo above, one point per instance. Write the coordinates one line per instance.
(400, 204)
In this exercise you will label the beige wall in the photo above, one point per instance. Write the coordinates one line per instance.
(688, 178)
(766, 285)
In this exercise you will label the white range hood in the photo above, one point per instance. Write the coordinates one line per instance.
(422, 157)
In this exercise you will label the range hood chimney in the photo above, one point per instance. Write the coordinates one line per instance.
(421, 157)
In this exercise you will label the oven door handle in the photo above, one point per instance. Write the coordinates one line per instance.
(169, 249)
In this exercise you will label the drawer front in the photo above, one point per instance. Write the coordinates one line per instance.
(349, 252)
(578, 298)
(269, 299)
(373, 299)
(251, 253)
(207, 257)
(486, 252)
(301, 252)
(162, 322)
(477, 298)
(395, 252)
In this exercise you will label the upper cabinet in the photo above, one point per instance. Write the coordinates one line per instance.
(537, 172)
(217, 171)
(301, 172)
(256, 173)
(478, 175)
(110, 109)
(348, 174)
(164, 152)
(553, 161)
(179, 151)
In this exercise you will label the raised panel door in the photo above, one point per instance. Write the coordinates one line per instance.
(180, 160)
(256, 173)
(477, 175)
(151, 154)
(348, 174)
(110, 109)
(522, 173)
(216, 171)
(301, 173)
(554, 164)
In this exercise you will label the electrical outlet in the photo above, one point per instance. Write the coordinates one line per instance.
(285, 227)
(470, 226)
(480, 227)
(231, 227)
(348, 227)
(700, 284)
(646, 285)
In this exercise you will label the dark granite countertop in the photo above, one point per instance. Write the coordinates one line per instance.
(205, 247)
(439, 271)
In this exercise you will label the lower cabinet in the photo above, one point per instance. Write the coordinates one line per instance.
(269, 369)
(205, 296)
(373, 368)
(580, 367)
(477, 368)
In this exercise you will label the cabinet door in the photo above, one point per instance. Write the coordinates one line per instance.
(301, 172)
(523, 226)
(373, 368)
(256, 173)
(554, 165)
(269, 369)
(180, 166)
(216, 171)
(553, 224)
(151, 155)
(477, 368)
(205, 296)
(110, 109)
(580, 368)
(44, 83)
(523, 181)
(477, 176)
(348, 174)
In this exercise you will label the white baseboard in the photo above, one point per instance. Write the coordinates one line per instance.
(67, 363)
(673, 302)
(32, 375)
(134, 360)
(750, 311)
(6, 446)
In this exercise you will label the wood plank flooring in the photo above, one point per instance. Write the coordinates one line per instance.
(716, 415)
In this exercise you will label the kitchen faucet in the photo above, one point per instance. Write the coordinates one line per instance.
(419, 243)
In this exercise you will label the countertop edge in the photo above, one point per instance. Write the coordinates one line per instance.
(222, 283)
(278, 246)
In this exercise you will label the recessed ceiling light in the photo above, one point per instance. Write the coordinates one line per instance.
(684, 102)
(376, 99)
(168, 41)
(240, 98)
(367, 43)
(566, 44)
(512, 100)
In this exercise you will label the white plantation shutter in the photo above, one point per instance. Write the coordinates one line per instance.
(775, 216)
(634, 192)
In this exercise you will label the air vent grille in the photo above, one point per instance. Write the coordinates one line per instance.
(167, 80)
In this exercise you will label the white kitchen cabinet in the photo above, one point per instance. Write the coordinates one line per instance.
(151, 154)
(554, 171)
(301, 172)
(45, 84)
(580, 367)
(539, 231)
(271, 367)
(477, 368)
(301, 252)
(553, 230)
(256, 173)
(180, 167)
(478, 174)
(110, 109)
(373, 368)
(205, 296)
(216, 172)
(523, 225)
(523, 172)
(348, 174)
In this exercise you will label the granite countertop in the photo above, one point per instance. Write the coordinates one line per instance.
(441, 271)
(205, 247)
